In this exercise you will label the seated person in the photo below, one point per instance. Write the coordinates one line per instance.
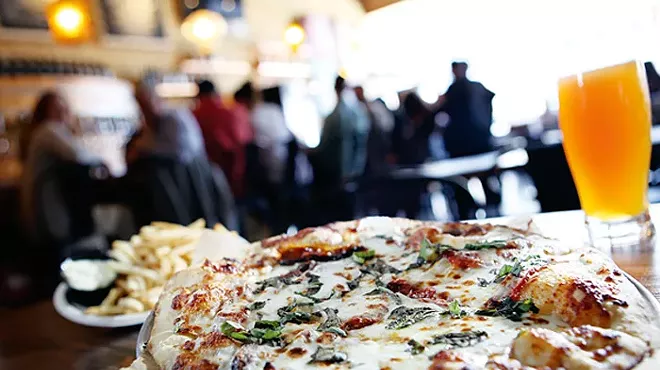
(169, 177)
(172, 133)
(51, 152)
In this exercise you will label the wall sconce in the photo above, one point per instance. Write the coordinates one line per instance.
(205, 29)
(69, 21)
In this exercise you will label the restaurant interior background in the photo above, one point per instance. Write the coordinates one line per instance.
(516, 48)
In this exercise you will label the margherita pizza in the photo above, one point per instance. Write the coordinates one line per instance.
(381, 293)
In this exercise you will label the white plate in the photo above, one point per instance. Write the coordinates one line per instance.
(76, 313)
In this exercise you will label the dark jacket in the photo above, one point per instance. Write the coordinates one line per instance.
(469, 106)
(166, 189)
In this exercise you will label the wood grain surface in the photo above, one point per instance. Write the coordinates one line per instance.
(36, 337)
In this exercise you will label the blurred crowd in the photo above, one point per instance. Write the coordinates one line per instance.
(237, 163)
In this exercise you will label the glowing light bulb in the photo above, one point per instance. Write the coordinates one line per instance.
(204, 29)
(294, 35)
(69, 19)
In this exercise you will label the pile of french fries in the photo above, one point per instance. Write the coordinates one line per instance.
(145, 263)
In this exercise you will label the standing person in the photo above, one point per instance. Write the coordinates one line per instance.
(341, 153)
(381, 123)
(276, 149)
(469, 106)
(271, 135)
(225, 132)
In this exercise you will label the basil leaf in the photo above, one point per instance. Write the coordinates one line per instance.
(267, 324)
(337, 331)
(415, 347)
(428, 252)
(297, 313)
(291, 277)
(460, 340)
(332, 320)
(297, 306)
(512, 310)
(271, 334)
(264, 331)
(455, 309)
(378, 268)
(256, 305)
(239, 336)
(328, 356)
(387, 292)
(296, 318)
(403, 316)
(506, 270)
(483, 282)
(313, 288)
(234, 332)
(227, 328)
(362, 256)
(494, 244)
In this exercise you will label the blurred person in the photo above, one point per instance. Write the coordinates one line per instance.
(339, 157)
(272, 135)
(381, 123)
(56, 198)
(173, 133)
(341, 153)
(414, 126)
(226, 132)
(276, 151)
(469, 106)
(169, 175)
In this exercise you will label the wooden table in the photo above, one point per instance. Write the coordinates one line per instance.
(36, 337)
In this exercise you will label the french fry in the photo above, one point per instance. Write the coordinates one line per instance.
(152, 295)
(163, 251)
(135, 283)
(165, 225)
(105, 310)
(178, 263)
(145, 262)
(125, 248)
(130, 304)
(120, 256)
(135, 270)
(199, 224)
(165, 267)
(183, 249)
(112, 296)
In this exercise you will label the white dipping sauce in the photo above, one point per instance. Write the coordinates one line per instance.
(88, 275)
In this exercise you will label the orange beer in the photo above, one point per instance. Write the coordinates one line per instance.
(605, 118)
